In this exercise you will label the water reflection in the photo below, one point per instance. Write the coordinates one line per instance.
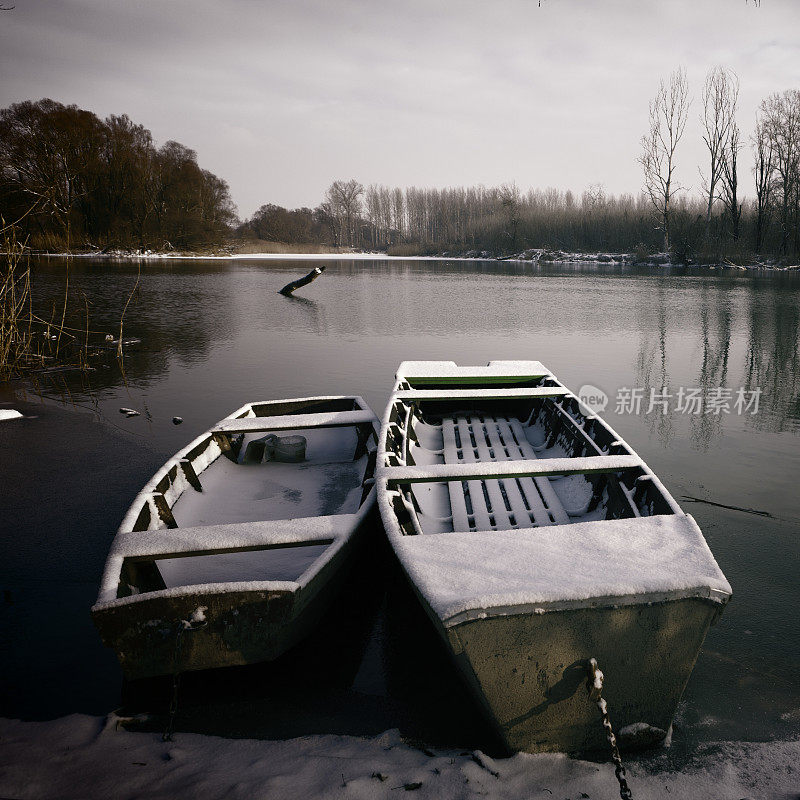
(217, 334)
(652, 371)
(308, 315)
(740, 335)
(690, 329)
(773, 327)
(180, 310)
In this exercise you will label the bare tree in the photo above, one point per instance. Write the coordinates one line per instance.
(343, 203)
(399, 210)
(730, 180)
(510, 202)
(668, 113)
(720, 96)
(763, 165)
(781, 115)
(373, 206)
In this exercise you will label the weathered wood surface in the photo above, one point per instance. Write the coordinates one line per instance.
(528, 671)
(431, 473)
(330, 419)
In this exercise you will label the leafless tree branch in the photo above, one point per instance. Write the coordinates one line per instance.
(669, 111)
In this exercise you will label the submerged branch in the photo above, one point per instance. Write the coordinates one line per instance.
(122, 318)
(291, 287)
(723, 505)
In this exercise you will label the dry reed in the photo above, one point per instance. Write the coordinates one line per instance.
(29, 343)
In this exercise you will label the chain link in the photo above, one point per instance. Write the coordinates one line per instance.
(184, 626)
(595, 687)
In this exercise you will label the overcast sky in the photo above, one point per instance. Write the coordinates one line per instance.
(281, 98)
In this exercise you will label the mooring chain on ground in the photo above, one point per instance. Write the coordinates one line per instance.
(184, 626)
(595, 687)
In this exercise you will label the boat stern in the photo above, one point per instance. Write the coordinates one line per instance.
(167, 634)
(530, 671)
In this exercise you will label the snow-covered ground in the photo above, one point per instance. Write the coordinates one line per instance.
(150, 255)
(93, 757)
(535, 256)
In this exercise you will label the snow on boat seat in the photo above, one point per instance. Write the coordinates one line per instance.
(509, 469)
(499, 447)
(511, 503)
(333, 419)
(165, 544)
(232, 536)
(495, 480)
(420, 372)
(521, 393)
(464, 575)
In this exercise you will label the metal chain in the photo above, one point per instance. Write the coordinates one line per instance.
(595, 687)
(183, 626)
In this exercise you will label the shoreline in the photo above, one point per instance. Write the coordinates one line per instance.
(659, 260)
(91, 756)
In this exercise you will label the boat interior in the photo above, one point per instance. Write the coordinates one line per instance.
(537, 420)
(285, 460)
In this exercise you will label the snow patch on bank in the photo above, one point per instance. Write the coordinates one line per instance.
(89, 757)
(534, 256)
(153, 256)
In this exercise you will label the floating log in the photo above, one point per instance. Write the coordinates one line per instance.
(290, 287)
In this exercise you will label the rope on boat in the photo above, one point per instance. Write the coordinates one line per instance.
(595, 686)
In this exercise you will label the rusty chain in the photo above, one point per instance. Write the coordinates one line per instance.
(595, 686)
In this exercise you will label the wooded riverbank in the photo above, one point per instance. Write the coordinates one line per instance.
(282, 251)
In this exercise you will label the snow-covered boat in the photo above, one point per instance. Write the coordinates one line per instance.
(536, 539)
(236, 546)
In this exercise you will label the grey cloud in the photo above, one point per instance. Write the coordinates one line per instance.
(280, 98)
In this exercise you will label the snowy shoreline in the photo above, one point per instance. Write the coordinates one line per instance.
(81, 756)
(658, 260)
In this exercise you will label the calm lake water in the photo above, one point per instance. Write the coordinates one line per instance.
(215, 335)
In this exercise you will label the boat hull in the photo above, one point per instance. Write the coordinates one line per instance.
(238, 627)
(529, 671)
(209, 569)
(537, 540)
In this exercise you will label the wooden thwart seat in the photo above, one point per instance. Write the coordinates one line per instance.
(513, 502)
(519, 393)
(331, 419)
(494, 479)
(232, 537)
(510, 469)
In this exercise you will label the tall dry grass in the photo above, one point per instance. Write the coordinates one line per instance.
(28, 342)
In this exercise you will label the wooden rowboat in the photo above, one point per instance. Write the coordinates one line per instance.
(231, 552)
(536, 540)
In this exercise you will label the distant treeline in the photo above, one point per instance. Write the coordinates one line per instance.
(717, 223)
(76, 181)
(502, 220)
